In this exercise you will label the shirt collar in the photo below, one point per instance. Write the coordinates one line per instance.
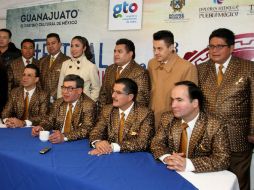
(225, 65)
(191, 123)
(127, 111)
(30, 92)
(24, 60)
(55, 56)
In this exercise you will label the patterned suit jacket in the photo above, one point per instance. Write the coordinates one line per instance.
(233, 100)
(50, 76)
(133, 71)
(38, 105)
(138, 128)
(83, 117)
(15, 72)
(208, 146)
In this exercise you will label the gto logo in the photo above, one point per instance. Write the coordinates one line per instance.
(124, 7)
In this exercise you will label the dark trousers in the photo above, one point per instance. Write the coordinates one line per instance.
(240, 166)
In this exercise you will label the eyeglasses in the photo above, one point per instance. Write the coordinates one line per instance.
(218, 47)
(118, 92)
(68, 89)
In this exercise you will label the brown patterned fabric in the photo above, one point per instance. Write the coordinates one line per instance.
(233, 100)
(50, 75)
(15, 72)
(133, 71)
(38, 105)
(83, 117)
(138, 128)
(208, 146)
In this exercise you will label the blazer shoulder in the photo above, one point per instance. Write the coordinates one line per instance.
(86, 100)
(16, 91)
(167, 117)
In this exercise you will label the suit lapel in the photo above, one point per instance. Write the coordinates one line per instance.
(127, 70)
(177, 134)
(62, 113)
(129, 122)
(76, 114)
(20, 101)
(212, 77)
(114, 124)
(33, 99)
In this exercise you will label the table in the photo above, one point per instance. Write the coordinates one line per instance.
(68, 167)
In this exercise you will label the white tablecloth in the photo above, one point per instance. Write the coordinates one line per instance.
(222, 180)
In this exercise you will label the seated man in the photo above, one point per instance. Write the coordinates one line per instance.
(27, 104)
(124, 126)
(67, 126)
(188, 139)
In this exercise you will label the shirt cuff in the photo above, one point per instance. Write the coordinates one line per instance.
(163, 157)
(93, 143)
(115, 147)
(65, 139)
(4, 120)
(189, 166)
(28, 123)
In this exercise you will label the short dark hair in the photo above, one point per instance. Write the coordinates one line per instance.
(224, 33)
(129, 45)
(54, 35)
(76, 78)
(130, 86)
(194, 92)
(28, 40)
(85, 43)
(35, 68)
(7, 31)
(165, 35)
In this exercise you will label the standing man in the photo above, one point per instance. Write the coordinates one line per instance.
(50, 65)
(125, 67)
(123, 126)
(228, 86)
(8, 52)
(188, 139)
(165, 69)
(27, 104)
(16, 68)
(72, 116)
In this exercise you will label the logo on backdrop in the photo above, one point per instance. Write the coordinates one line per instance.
(219, 11)
(125, 14)
(53, 18)
(176, 13)
(251, 9)
(217, 1)
(244, 48)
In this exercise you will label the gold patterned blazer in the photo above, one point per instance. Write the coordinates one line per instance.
(233, 100)
(38, 105)
(138, 128)
(133, 71)
(83, 117)
(15, 72)
(50, 76)
(208, 146)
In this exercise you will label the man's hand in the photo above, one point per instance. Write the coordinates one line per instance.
(176, 162)
(14, 122)
(101, 147)
(36, 130)
(56, 137)
(251, 138)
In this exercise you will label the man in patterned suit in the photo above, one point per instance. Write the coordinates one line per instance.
(124, 126)
(50, 65)
(201, 147)
(228, 86)
(27, 104)
(72, 116)
(125, 67)
(165, 69)
(16, 68)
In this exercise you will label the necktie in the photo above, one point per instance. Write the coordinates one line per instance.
(26, 107)
(52, 59)
(184, 139)
(220, 75)
(118, 72)
(121, 128)
(67, 125)
(27, 61)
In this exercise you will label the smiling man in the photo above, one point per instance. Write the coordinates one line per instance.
(187, 138)
(165, 69)
(27, 104)
(228, 86)
(72, 116)
(124, 126)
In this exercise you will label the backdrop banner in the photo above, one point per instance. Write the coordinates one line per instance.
(103, 22)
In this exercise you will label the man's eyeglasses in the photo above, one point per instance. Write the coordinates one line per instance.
(68, 89)
(118, 92)
(218, 47)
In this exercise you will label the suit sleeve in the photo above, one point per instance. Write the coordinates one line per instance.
(251, 131)
(9, 107)
(142, 141)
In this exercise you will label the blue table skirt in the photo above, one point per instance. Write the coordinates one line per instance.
(68, 167)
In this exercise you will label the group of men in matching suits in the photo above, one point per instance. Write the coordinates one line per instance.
(207, 124)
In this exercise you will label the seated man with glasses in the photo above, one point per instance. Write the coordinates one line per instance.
(27, 104)
(72, 116)
(124, 126)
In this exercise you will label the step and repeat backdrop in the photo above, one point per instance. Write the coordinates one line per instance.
(103, 22)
